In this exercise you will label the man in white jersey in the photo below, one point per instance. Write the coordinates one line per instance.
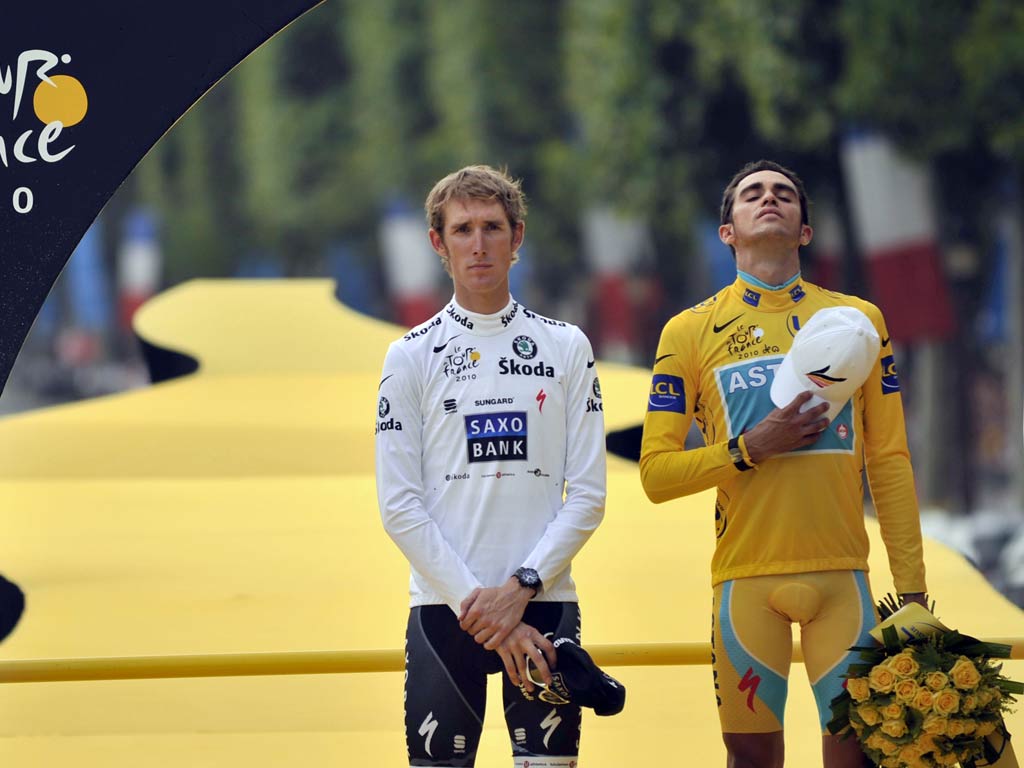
(490, 478)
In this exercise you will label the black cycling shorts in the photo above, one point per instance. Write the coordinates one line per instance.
(446, 690)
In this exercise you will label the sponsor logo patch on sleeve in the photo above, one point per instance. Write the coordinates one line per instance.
(890, 381)
(667, 394)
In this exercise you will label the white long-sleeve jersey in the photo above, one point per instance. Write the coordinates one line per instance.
(490, 451)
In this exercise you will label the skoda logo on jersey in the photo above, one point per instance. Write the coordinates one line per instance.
(524, 347)
(596, 387)
(383, 407)
(506, 319)
(497, 436)
(509, 367)
(753, 298)
(462, 320)
(667, 394)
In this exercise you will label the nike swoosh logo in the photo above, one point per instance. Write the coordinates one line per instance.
(885, 341)
(441, 348)
(726, 324)
(590, 364)
(659, 359)
(384, 379)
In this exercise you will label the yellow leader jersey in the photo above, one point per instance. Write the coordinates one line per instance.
(796, 512)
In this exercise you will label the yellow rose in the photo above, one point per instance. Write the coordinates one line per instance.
(955, 727)
(869, 714)
(910, 753)
(892, 711)
(903, 665)
(969, 703)
(890, 762)
(876, 741)
(889, 749)
(970, 726)
(858, 688)
(965, 675)
(985, 728)
(935, 724)
(936, 680)
(923, 700)
(881, 679)
(926, 742)
(894, 728)
(905, 690)
(947, 701)
(949, 758)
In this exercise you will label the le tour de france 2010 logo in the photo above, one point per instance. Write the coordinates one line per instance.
(58, 101)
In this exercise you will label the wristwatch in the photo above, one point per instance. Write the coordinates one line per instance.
(736, 454)
(529, 578)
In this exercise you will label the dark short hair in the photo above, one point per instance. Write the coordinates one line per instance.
(729, 195)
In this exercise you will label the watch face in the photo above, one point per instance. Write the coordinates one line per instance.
(528, 577)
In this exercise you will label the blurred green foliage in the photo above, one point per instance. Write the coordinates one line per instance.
(647, 106)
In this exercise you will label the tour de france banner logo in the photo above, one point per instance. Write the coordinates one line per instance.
(86, 89)
(46, 101)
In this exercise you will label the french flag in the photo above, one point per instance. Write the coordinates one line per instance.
(895, 225)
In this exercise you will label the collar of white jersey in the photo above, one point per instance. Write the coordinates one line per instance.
(483, 325)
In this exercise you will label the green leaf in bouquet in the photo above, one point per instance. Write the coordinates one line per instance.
(890, 638)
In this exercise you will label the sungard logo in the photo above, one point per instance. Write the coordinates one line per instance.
(494, 401)
(422, 329)
(465, 322)
(496, 436)
(524, 347)
(510, 367)
(58, 101)
(461, 360)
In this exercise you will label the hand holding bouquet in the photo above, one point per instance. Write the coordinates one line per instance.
(926, 695)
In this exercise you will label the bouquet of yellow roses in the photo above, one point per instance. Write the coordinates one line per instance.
(926, 695)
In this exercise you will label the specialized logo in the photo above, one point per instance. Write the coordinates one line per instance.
(821, 378)
(749, 683)
(667, 394)
(508, 318)
(552, 721)
(496, 436)
(753, 298)
(58, 101)
(450, 406)
(422, 329)
(524, 347)
(509, 367)
(541, 397)
(454, 314)
(890, 381)
(427, 729)
(719, 328)
(797, 293)
(440, 347)
(460, 361)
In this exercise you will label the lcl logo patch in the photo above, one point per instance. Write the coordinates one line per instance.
(667, 394)
(890, 381)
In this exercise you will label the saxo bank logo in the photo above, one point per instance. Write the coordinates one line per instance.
(42, 104)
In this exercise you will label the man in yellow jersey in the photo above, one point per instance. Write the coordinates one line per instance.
(791, 544)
